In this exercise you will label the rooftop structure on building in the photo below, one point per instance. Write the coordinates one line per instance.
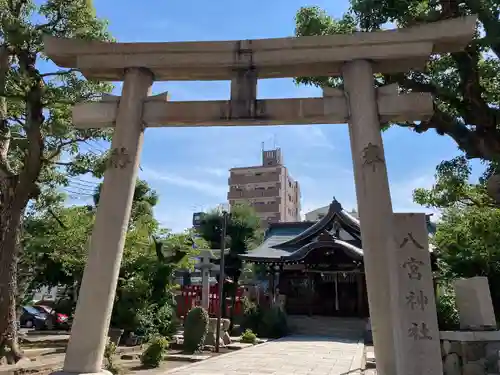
(268, 188)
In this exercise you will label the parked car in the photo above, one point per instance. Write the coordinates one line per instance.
(43, 317)
(33, 318)
(60, 321)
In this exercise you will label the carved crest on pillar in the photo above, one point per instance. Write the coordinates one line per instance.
(372, 156)
(119, 158)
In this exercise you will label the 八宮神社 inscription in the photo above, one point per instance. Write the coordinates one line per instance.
(417, 300)
(413, 240)
(413, 266)
(119, 158)
(417, 321)
(419, 331)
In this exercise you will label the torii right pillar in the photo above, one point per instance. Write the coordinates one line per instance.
(375, 211)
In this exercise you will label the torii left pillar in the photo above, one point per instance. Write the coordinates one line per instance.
(86, 345)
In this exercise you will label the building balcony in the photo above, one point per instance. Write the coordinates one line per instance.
(236, 179)
(269, 207)
(253, 193)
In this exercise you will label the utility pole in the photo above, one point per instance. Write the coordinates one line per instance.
(221, 279)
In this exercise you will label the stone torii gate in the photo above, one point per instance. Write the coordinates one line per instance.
(355, 57)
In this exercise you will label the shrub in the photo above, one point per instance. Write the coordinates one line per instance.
(270, 322)
(153, 321)
(274, 323)
(155, 351)
(109, 361)
(447, 313)
(195, 329)
(166, 322)
(248, 337)
(252, 316)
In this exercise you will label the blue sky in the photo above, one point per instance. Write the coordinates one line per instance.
(189, 167)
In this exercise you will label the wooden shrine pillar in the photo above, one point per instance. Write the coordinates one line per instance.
(97, 292)
(360, 283)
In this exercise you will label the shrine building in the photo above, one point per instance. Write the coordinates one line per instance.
(318, 266)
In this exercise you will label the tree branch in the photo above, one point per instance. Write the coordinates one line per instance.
(34, 121)
(490, 24)
(70, 164)
(59, 148)
(59, 73)
(5, 170)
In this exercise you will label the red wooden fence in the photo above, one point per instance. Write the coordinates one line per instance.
(190, 296)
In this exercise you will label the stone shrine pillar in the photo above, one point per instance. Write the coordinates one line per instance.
(205, 268)
(474, 305)
(416, 319)
(375, 209)
(86, 345)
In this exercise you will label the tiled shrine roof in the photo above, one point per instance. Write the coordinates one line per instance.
(292, 242)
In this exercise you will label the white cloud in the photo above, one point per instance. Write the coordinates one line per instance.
(217, 172)
(216, 190)
(319, 192)
(313, 136)
(402, 193)
(177, 220)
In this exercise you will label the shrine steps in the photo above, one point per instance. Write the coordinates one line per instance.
(326, 326)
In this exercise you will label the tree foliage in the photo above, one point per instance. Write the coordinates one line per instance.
(465, 84)
(243, 229)
(467, 240)
(37, 139)
(467, 243)
(453, 187)
(56, 248)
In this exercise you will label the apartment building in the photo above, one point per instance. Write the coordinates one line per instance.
(273, 193)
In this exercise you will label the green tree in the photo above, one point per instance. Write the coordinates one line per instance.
(467, 240)
(35, 125)
(144, 200)
(243, 228)
(453, 187)
(467, 244)
(465, 84)
(57, 254)
(145, 302)
(56, 240)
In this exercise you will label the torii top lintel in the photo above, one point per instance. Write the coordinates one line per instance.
(391, 51)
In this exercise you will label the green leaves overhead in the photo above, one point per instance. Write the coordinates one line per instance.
(464, 84)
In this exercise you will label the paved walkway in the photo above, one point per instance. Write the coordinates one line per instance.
(298, 355)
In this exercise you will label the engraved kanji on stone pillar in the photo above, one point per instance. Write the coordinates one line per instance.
(417, 316)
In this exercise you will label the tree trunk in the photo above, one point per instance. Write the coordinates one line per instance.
(10, 221)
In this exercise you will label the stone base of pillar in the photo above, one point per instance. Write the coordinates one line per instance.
(102, 372)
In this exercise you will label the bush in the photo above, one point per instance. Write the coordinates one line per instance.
(155, 321)
(155, 351)
(447, 313)
(252, 316)
(274, 323)
(248, 337)
(109, 361)
(270, 323)
(195, 329)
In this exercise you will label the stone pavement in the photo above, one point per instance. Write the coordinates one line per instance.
(300, 355)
